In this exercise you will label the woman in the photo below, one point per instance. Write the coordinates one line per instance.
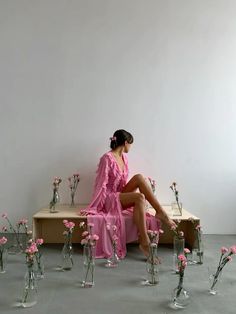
(114, 198)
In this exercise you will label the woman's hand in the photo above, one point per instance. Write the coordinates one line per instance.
(171, 224)
(167, 220)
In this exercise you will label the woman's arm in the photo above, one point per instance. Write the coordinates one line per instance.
(100, 187)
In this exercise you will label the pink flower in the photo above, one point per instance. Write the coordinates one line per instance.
(186, 251)
(95, 237)
(70, 225)
(32, 249)
(22, 221)
(3, 240)
(4, 215)
(182, 258)
(233, 249)
(39, 241)
(224, 250)
(229, 258)
(85, 233)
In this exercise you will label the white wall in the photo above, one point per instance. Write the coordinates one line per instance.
(74, 71)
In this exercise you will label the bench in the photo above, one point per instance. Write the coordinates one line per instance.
(49, 226)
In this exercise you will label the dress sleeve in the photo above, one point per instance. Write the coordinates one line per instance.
(100, 188)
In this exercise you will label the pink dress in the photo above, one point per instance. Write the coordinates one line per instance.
(105, 208)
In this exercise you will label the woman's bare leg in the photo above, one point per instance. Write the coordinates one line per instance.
(138, 201)
(139, 182)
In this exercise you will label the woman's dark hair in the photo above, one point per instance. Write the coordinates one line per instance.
(119, 138)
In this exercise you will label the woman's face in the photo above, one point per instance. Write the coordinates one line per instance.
(127, 147)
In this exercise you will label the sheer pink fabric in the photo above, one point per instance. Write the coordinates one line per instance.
(105, 208)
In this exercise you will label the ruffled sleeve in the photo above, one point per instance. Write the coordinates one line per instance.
(100, 188)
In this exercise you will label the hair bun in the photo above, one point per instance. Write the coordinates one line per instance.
(113, 138)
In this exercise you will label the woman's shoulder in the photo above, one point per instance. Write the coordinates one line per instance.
(106, 157)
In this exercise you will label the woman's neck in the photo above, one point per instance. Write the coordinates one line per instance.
(118, 151)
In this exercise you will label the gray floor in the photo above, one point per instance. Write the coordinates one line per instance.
(120, 290)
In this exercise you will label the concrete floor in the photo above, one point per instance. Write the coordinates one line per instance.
(120, 290)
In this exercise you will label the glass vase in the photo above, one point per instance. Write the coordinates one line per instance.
(29, 298)
(72, 203)
(198, 248)
(180, 297)
(214, 279)
(176, 208)
(3, 260)
(54, 201)
(178, 247)
(152, 266)
(16, 246)
(39, 266)
(114, 260)
(89, 265)
(67, 255)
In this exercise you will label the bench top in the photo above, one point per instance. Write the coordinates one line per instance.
(65, 211)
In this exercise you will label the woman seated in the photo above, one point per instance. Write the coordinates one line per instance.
(113, 197)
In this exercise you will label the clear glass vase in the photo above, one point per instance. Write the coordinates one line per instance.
(152, 266)
(214, 279)
(3, 259)
(114, 260)
(67, 255)
(72, 203)
(29, 298)
(198, 248)
(16, 246)
(180, 296)
(39, 266)
(55, 200)
(176, 208)
(89, 265)
(178, 248)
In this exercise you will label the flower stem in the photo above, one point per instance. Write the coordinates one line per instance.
(180, 285)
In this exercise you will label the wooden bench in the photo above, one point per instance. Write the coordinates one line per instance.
(49, 226)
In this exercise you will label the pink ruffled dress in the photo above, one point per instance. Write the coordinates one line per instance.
(105, 208)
